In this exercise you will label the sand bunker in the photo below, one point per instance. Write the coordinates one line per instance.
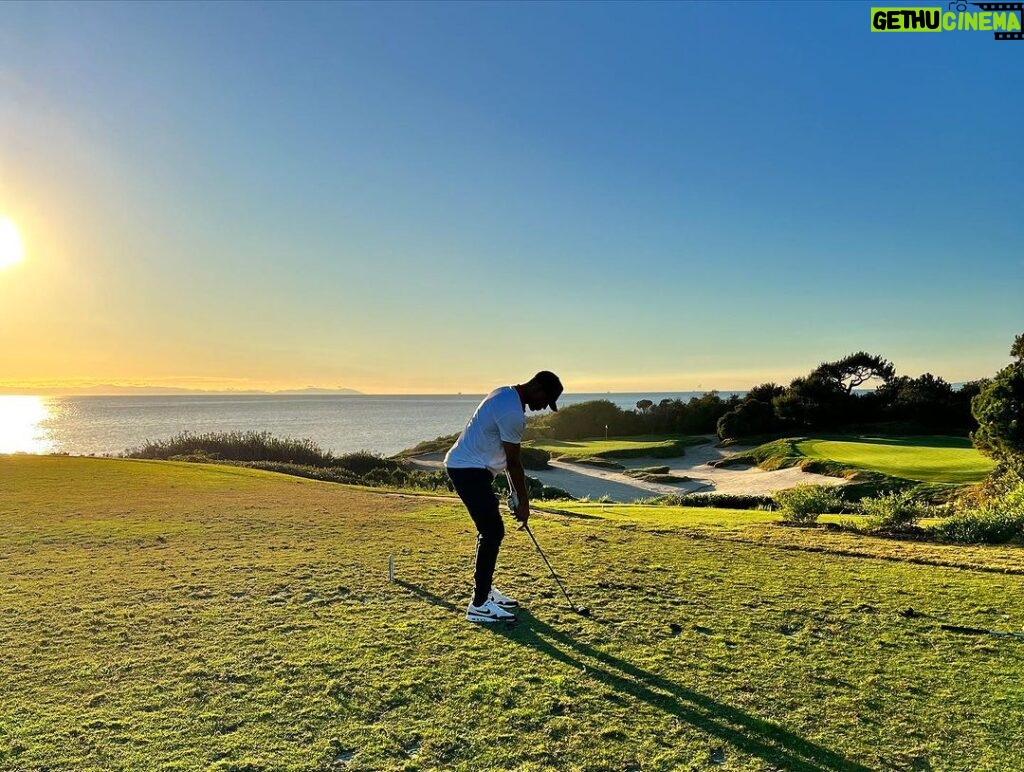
(580, 480)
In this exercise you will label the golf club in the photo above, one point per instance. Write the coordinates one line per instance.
(513, 504)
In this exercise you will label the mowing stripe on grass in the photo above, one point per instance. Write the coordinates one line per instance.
(934, 460)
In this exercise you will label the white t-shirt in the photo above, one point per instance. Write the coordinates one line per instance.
(499, 418)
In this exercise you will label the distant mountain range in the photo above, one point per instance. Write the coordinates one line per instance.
(113, 390)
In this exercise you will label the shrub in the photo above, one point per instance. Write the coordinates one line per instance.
(716, 500)
(803, 504)
(551, 492)
(363, 463)
(535, 458)
(381, 477)
(195, 458)
(437, 445)
(892, 511)
(325, 474)
(982, 527)
(534, 487)
(997, 520)
(236, 446)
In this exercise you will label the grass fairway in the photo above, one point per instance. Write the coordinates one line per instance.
(925, 459)
(657, 445)
(156, 615)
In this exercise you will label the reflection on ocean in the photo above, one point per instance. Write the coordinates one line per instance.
(100, 425)
(24, 425)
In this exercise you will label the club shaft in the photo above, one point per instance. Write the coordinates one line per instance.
(548, 564)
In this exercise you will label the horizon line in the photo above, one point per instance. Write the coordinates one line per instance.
(172, 392)
(159, 392)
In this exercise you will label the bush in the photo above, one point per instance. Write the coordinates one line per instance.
(302, 458)
(715, 500)
(551, 492)
(982, 527)
(803, 504)
(535, 458)
(364, 463)
(534, 487)
(381, 477)
(325, 474)
(892, 511)
(997, 520)
(437, 445)
(195, 458)
(236, 446)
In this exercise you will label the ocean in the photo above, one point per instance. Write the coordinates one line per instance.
(340, 423)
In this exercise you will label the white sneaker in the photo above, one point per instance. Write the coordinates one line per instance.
(502, 600)
(489, 612)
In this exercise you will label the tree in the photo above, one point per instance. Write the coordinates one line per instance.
(961, 418)
(853, 370)
(999, 411)
(926, 401)
(814, 402)
(1017, 350)
(589, 419)
(765, 392)
(747, 420)
(644, 405)
(700, 415)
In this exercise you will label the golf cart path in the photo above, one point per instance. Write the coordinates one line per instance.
(581, 480)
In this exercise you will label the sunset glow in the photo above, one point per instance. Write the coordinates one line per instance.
(22, 427)
(11, 249)
(433, 214)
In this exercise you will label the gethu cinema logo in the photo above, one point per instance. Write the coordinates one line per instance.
(1003, 19)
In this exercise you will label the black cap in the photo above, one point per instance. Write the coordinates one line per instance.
(548, 381)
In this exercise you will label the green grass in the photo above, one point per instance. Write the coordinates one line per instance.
(933, 468)
(949, 460)
(658, 446)
(157, 615)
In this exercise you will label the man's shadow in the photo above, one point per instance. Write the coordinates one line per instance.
(755, 736)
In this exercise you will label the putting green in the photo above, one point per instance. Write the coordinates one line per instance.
(926, 459)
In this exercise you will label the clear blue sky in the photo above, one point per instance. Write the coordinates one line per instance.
(424, 197)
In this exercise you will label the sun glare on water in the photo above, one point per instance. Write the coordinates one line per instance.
(11, 249)
(22, 427)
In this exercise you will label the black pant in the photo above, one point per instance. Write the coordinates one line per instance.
(475, 488)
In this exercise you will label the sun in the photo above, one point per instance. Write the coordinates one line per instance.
(11, 250)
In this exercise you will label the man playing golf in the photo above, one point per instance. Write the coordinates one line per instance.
(490, 444)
